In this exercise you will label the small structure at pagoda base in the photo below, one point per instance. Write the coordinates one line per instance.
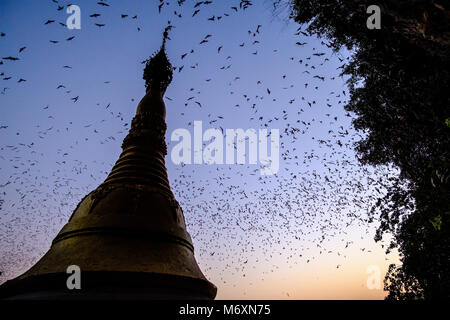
(128, 237)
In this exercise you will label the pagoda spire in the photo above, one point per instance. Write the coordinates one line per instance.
(128, 236)
(158, 70)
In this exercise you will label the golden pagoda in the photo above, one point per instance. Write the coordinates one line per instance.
(128, 237)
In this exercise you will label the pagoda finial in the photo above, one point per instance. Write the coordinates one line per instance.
(158, 70)
(166, 35)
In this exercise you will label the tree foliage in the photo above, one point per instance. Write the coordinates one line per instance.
(399, 79)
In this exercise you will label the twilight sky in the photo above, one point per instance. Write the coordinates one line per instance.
(299, 234)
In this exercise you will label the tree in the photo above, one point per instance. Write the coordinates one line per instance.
(399, 93)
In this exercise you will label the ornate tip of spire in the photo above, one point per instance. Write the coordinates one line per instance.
(158, 69)
(166, 35)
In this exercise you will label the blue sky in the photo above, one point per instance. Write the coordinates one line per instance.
(299, 234)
